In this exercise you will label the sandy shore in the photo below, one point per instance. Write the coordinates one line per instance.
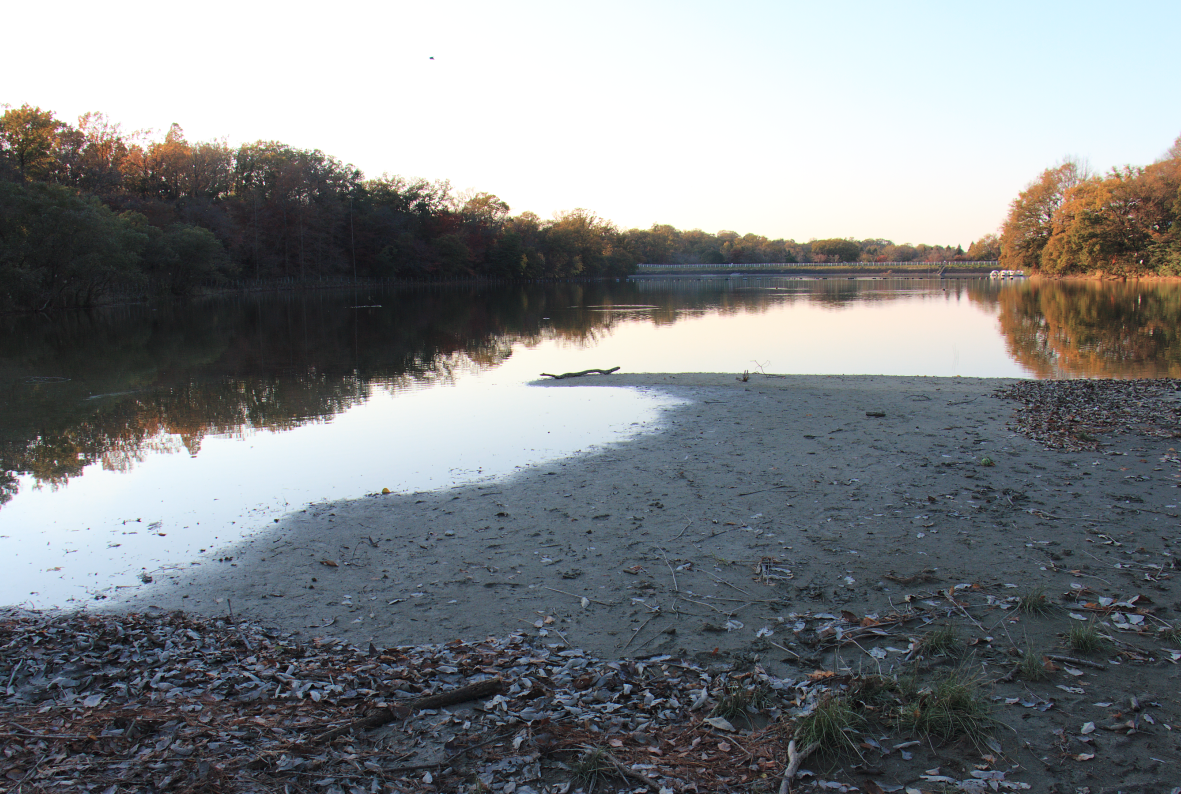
(758, 499)
(778, 521)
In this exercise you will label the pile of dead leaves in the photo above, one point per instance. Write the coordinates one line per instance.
(1076, 414)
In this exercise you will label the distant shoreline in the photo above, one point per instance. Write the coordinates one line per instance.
(822, 273)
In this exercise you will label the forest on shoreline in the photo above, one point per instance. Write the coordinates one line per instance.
(89, 210)
(1070, 222)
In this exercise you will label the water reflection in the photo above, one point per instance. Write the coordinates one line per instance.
(114, 386)
(191, 422)
(1093, 329)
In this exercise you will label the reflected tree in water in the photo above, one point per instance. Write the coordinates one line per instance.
(1094, 330)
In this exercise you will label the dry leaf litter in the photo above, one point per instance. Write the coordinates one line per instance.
(1073, 414)
(169, 702)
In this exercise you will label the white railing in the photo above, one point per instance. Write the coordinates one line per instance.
(813, 265)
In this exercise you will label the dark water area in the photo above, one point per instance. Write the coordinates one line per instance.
(133, 413)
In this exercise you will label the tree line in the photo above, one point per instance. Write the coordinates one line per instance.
(1069, 221)
(89, 208)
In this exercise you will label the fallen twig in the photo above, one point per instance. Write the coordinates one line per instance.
(379, 717)
(579, 374)
(636, 633)
(794, 759)
(1072, 660)
(575, 595)
(785, 650)
(764, 490)
(631, 774)
(670, 570)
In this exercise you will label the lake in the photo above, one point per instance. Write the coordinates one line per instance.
(141, 438)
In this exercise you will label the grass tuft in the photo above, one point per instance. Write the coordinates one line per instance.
(953, 708)
(738, 700)
(943, 641)
(872, 692)
(1085, 638)
(1171, 634)
(831, 725)
(592, 766)
(1035, 603)
(1031, 667)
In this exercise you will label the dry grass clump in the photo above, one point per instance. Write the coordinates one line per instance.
(592, 766)
(832, 725)
(1035, 603)
(737, 699)
(1085, 638)
(953, 708)
(1031, 667)
(943, 641)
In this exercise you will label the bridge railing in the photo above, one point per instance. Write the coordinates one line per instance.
(818, 265)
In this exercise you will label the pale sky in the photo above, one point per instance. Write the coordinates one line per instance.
(917, 122)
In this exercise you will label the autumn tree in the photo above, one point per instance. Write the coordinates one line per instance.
(986, 249)
(28, 136)
(1029, 225)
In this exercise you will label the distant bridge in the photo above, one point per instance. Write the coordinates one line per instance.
(811, 267)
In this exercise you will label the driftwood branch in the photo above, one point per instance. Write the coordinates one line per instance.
(1073, 660)
(631, 774)
(794, 759)
(565, 375)
(379, 717)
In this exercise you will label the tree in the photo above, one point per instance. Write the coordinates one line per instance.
(59, 249)
(28, 136)
(178, 259)
(835, 250)
(986, 249)
(1031, 216)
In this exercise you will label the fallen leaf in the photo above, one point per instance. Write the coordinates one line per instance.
(329, 563)
(721, 723)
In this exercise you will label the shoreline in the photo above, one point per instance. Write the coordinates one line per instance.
(795, 471)
(582, 525)
(812, 532)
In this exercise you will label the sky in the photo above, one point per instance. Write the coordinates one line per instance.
(914, 122)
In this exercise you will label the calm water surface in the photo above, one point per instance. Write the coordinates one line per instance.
(139, 439)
